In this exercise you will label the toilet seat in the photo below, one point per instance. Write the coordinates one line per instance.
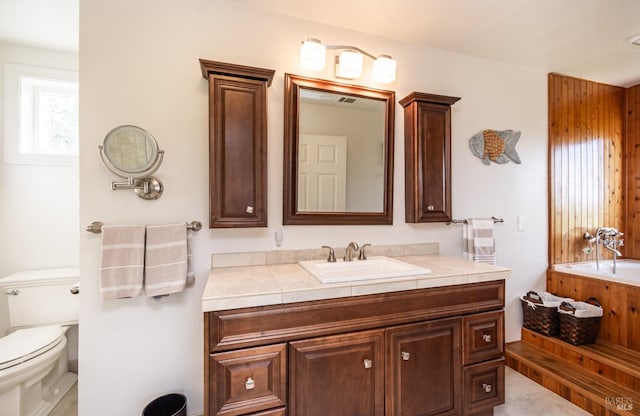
(24, 344)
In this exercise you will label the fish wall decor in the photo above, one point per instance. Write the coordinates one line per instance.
(498, 146)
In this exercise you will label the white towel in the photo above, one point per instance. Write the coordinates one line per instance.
(478, 239)
(167, 259)
(122, 261)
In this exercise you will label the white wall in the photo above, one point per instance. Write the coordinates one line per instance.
(139, 65)
(39, 205)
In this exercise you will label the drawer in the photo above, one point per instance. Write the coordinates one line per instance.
(275, 412)
(250, 380)
(483, 386)
(483, 337)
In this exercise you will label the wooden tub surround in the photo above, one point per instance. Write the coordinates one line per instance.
(603, 378)
(594, 181)
(419, 345)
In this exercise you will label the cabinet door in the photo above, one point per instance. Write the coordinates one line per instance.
(483, 336)
(483, 386)
(340, 375)
(427, 132)
(237, 144)
(249, 380)
(424, 369)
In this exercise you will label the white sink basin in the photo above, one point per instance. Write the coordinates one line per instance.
(349, 271)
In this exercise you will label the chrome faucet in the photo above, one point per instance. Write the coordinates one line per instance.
(348, 252)
(362, 255)
(608, 237)
(332, 254)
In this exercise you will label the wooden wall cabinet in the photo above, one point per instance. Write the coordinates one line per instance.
(427, 143)
(237, 144)
(436, 352)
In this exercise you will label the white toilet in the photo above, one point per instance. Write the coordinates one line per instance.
(34, 371)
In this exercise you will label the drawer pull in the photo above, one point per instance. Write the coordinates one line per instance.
(405, 356)
(249, 384)
(368, 363)
(487, 338)
(486, 387)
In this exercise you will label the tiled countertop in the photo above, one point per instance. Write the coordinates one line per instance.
(271, 278)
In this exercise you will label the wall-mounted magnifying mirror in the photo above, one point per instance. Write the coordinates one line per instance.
(338, 161)
(132, 153)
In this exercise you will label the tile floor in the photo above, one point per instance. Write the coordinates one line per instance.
(523, 398)
(68, 406)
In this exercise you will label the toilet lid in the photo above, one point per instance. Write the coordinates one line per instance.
(24, 344)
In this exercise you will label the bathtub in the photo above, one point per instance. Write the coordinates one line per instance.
(619, 295)
(627, 271)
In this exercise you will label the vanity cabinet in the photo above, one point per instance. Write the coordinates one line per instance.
(237, 144)
(427, 143)
(338, 375)
(423, 368)
(436, 351)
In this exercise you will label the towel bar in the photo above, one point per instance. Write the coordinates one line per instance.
(495, 220)
(96, 226)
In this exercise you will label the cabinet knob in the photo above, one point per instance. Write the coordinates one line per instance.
(249, 209)
(486, 387)
(368, 363)
(74, 290)
(405, 356)
(13, 292)
(487, 338)
(249, 384)
(430, 208)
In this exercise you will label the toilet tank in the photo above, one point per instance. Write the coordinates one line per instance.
(42, 297)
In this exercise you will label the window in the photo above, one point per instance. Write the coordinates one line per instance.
(41, 115)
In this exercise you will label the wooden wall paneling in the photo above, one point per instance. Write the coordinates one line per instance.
(632, 231)
(586, 163)
(553, 171)
(630, 158)
(621, 304)
(633, 319)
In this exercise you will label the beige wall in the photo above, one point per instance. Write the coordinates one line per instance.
(139, 65)
(39, 205)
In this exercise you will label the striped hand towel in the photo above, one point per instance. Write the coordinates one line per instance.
(478, 239)
(122, 261)
(166, 260)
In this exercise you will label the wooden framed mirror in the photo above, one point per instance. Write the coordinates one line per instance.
(338, 153)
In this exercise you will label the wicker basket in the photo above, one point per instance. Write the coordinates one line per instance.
(540, 313)
(580, 321)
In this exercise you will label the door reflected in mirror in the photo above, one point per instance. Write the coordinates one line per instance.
(338, 153)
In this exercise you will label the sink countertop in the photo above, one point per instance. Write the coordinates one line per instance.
(261, 281)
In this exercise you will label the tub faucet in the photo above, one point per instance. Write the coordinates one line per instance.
(608, 237)
(611, 243)
(348, 252)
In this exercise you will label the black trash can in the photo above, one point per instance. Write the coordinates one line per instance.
(173, 404)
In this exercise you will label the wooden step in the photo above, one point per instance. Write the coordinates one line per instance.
(610, 360)
(584, 388)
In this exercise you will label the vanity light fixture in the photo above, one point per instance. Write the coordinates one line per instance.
(635, 40)
(348, 63)
(312, 54)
